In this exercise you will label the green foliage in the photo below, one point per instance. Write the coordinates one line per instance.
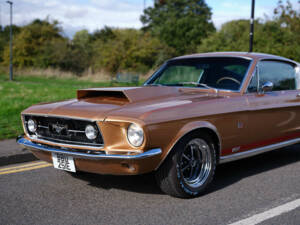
(182, 24)
(171, 27)
(78, 55)
(4, 37)
(279, 36)
(129, 50)
(233, 36)
(36, 45)
(104, 34)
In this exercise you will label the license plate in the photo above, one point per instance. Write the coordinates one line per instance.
(63, 162)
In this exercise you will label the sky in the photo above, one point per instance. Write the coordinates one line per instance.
(76, 15)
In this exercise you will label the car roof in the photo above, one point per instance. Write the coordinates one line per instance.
(248, 55)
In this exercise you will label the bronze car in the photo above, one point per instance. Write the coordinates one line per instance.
(194, 113)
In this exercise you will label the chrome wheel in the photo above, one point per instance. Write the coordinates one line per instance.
(190, 167)
(195, 163)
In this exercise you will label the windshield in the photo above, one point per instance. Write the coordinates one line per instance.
(215, 72)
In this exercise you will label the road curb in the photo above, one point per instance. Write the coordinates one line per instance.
(18, 158)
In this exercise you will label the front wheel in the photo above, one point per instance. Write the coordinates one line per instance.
(189, 168)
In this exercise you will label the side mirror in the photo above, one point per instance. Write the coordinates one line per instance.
(267, 87)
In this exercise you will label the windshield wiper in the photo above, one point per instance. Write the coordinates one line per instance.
(183, 83)
(197, 84)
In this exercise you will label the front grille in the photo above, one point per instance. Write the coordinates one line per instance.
(63, 130)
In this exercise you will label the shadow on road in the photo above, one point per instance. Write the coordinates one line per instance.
(233, 172)
(226, 174)
(145, 183)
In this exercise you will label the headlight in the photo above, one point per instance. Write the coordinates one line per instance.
(90, 132)
(135, 135)
(31, 125)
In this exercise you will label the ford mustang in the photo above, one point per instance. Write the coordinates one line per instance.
(193, 113)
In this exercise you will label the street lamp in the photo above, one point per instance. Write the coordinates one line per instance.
(252, 27)
(10, 42)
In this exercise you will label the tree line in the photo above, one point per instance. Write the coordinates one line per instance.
(170, 28)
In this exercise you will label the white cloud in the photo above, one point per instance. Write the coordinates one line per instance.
(227, 10)
(73, 14)
(94, 14)
(233, 11)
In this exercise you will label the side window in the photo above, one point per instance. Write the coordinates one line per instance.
(282, 75)
(253, 83)
(297, 77)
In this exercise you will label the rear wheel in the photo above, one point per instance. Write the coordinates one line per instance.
(189, 168)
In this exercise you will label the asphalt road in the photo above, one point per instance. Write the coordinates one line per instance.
(240, 190)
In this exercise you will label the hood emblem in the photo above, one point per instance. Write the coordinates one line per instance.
(58, 128)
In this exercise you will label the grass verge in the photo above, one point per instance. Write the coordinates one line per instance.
(24, 91)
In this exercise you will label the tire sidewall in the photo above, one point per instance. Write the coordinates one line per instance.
(176, 158)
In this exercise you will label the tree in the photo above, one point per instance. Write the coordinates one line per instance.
(36, 45)
(279, 35)
(288, 38)
(233, 36)
(129, 50)
(182, 24)
(104, 34)
(4, 37)
(80, 52)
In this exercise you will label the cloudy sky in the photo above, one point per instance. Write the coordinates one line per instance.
(75, 15)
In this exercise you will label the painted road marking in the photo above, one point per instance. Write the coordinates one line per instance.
(258, 218)
(24, 167)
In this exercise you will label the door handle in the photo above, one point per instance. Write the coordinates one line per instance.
(298, 95)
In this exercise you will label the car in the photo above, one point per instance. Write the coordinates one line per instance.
(194, 113)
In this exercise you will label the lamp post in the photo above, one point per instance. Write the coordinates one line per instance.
(10, 42)
(252, 27)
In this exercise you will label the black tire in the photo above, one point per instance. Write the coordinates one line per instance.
(184, 176)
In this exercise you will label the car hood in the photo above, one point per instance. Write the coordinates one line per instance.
(135, 102)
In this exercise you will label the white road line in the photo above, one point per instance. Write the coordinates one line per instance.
(258, 218)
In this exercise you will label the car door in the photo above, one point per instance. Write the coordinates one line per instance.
(274, 116)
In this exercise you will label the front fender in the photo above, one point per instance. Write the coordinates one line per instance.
(186, 129)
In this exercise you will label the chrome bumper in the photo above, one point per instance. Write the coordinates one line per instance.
(94, 156)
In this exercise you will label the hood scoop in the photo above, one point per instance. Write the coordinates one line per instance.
(102, 95)
(127, 94)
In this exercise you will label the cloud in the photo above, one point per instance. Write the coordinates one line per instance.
(230, 10)
(95, 14)
(226, 10)
(74, 14)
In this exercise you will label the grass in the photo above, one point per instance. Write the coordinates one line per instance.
(24, 91)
